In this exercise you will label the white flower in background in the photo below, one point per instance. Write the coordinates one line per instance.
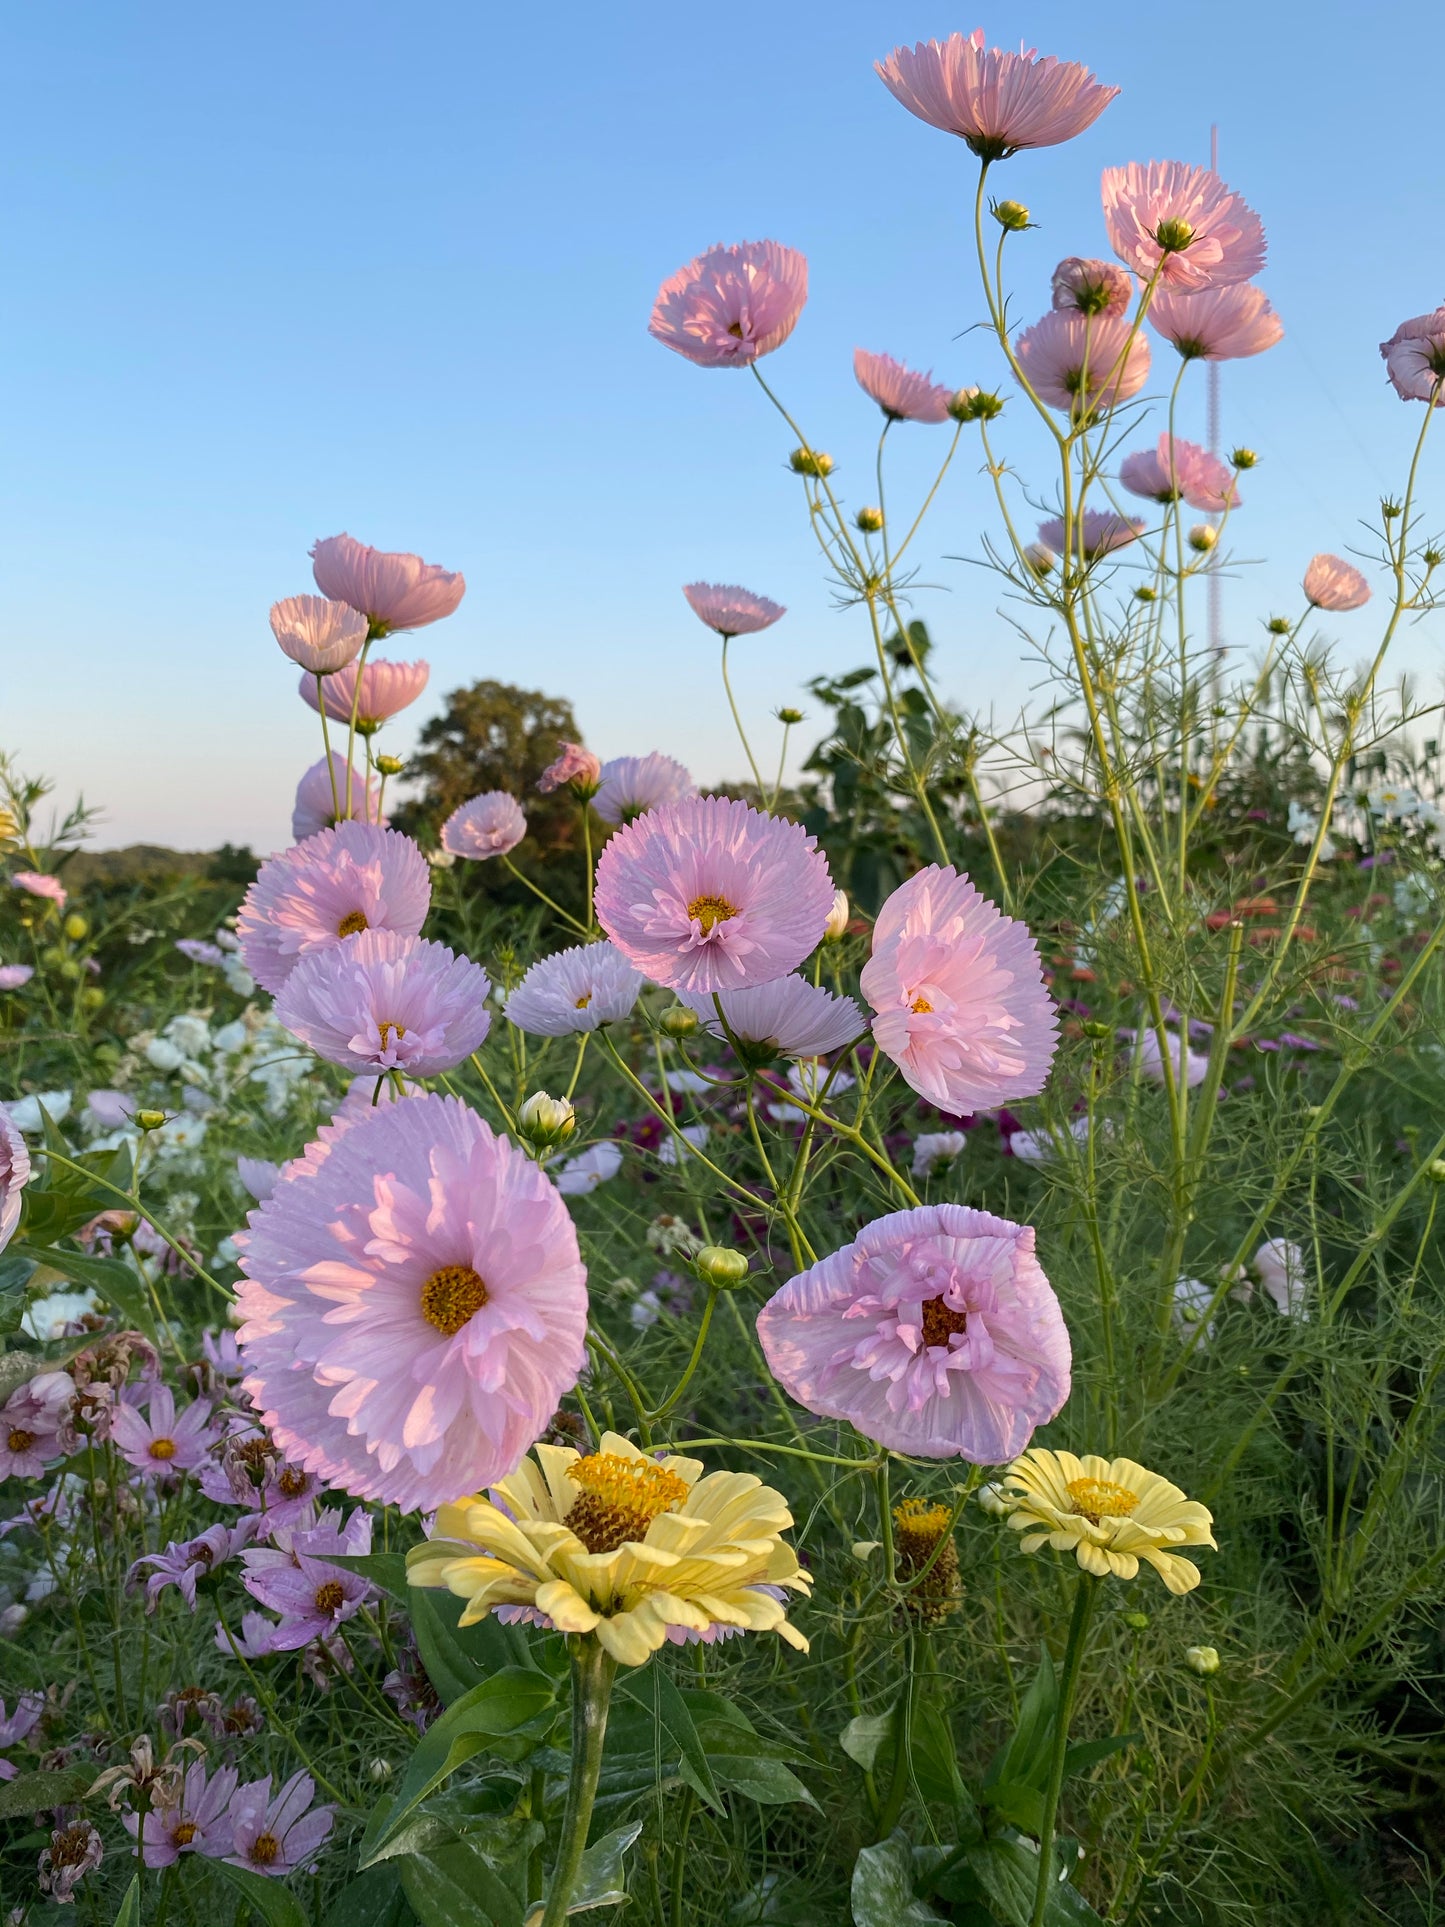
(1395, 801)
(50, 1317)
(688, 1082)
(695, 1134)
(574, 1177)
(191, 1034)
(237, 977)
(231, 1037)
(645, 1310)
(935, 1147)
(1192, 1298)
(225, 1253)
(162, 1054)
(226, 939)
(1303, 824)
(1038, 1147)
(1279, 1265)
(178, 1140)
(1414, 896)
(668, 1233)
(25, 1111)
(1110, 904)
(1187, 1063)
(806, 1080)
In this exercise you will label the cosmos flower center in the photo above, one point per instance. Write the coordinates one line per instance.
(20, 1440)
(451, 1296)
(1099, 1499)
(386, 1030)
(710, 911)
(1174, 236)
(201, 1554)
(352, 923)
(940, 1322)
(162, 1448)
(185, 1833)
(921, 1007)
(735, 329)
(290, 1483)
(583, 1001)
(330, 1596)
(620, 1498)
(265, 1849)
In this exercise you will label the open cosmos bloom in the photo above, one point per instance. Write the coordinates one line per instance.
(491, 824)
(789, 1017)
(15, 976)
(574, 990)
(386, 689)
(17, 1725)
(730, 305)
(1415, 358)
(31, 1422)
(186, 1562)
(385, 1002)
(1098, 532)
(38, 883)
(414, 1305)
(1081, 363)
(392, 589)
(315, 807)
(277, 1836)
(199, 1821)
(1181, 224)
(902, 393)
(959, 995)
(630, 785)
(1218, 324)
(1178, 470)
(575, 766)
(1110, 1513)
(1092, 287)
(327, 889)
(621, 1545)
(712, 894)
(731, 610)
(1336, 585)
(14, 1175)
(995, 102)
(935, 1333)
(321, 636)
(162, 1442)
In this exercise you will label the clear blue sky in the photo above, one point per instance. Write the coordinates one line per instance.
(280, 270)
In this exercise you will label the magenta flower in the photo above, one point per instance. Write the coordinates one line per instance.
(632, 784)
(1219, 324)
(1092, 287)
(1336, 585)
(36, 883)
(491, 824)
(386, 689)
(198, 1822)
(1099, 533)
(1083, 364)
(315, 809)
(934, 1333)
(575, 766)
(386, 1002)
(902, 394)
(326, 890)
(15, 976)
(185, 1562)
(788, 1018)
(711, 894)
(1415, 358)
(1180, 470)
(730, 610)
(414, 1305)
(732, 304)
(995, 102)
(1182, 224)
(393, 590)
(959, 995)
(14, 1175)
(322, 636)
(277, 1836)
(575, 990)
(313, 1597)
(162, 1443)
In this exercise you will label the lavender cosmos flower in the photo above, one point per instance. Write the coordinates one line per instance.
(259, 1177)
(1092, 287)
(17, 1725)
(386, 689)
(386, 1002)
(995, 102)
(14, 1175)
(32, 1420)
(1219, 324)
(902, 393)
(1098, 533)
(185, 1562)
(1333, 584)
(787, 1018)
(730, 609)
(489, 825)
(731, 305)
(631, 785)
(1083, 364)
(1182, 225)
(198, 1822)
(277, 1836)
(392, 589)
(326, 890)
(574, 990)
(256, 1638)
(315, 807)
(321, 636)
(162, 1443)
(199, 951)
(1415, 357)
(15, 976)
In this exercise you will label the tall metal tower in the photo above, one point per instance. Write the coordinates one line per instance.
(1211, 579)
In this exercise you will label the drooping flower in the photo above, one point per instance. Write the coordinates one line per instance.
(1182, 224)
(731, 305)
(1092, 287)
(185, 1562)
(38, 883)
(322, 636)
(731, 610)
(392, 589)
(934, 1333)
(789, 1017)
(1100, 532)
(1083, 364)
(386, 689)
(903, 394)
(1110, 1513)
(491, 824)
(326, 890)
(198, 1822)
(711, 894)
(620, 1545)
(1333, 584)
(315, 807)
(959, 995)
(386, 1002)
(162, 1443)
(277, 1836)
(414, 1305)
(575, 766)
(17, 1725)
(1176, 470)
(74, 1851)
(14, 1175)
(1415, 358)
(1217, 324)
(578, 1177)
(632, 784)
(574, 990)
(995, 102)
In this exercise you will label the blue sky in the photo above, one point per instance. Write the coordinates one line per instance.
(278, 271)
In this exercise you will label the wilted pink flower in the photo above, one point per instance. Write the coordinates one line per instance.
(732, 304)
(14, 1175)
(934, 1333)
(322, 636)
(185, 1562)
(162, 1443)
(996, 102)
(711, 894)
(575, 990)
(1180, 470)
(326, 890)
(414, 1305)
(1333, 584)
(632, 784)
(1083, 363)
(1092, 287)
(1099, 533)
(730, 610)
(315, 808)
(1181, 223)
(576, 766)
(386, 688)
(1219, 324)
(277, 1836)
(74, 1851)
(15, 976)
(198, 1822)
(36, 883)
(392, 589)
(386, 1002)
(489, 825)
(959, 995)
(902, 393)
(1415, 358)
(789, 1018)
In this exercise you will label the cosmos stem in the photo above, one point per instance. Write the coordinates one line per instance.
(593, 1671)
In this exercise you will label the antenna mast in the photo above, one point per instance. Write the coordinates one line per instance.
(1212, 585)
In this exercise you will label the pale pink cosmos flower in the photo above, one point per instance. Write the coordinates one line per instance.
(632, 784)
(36, 883)
(934, 1333)
(1176, 470)
(386, 1002)
(575, 765)
(259, 1176)
(732, 304)
(902, 393)
(1083, 286)
(199, 1821)
(1415, 358)
(491, 824)
(32, 1420)
(315, 808)
(277, 1836)
(14, 1175)
(313, 1596)
(386, 689)
(393, 590)
(711, 894)
(414, 1305)
(731, 610)
(1182, 224)
(1100, 533)
(15, 976)
(1219, 324)
(1187, 1064)
(575, 990)
(1083, 364)
(162, 1443)
(1333, 584)
(788, 1018)
(959, 995)
(325, 891)
(1280, 1267)
(255, 1638)
(199, 950)
(995, 102)
(322, 636)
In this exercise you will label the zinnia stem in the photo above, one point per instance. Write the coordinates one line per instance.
(1068, 1688)
(593, 1670)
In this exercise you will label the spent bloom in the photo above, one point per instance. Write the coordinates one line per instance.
(576, 766)
(1083, 363)
(1415, 358)
(322, 636)
(574, 990)
(712, 894)
(1178, 469)
(162, 1442)
(632, 784)
(199, 1821)
(277, 1836)
(934, 1333)
(995, 102)
(386, 689)
(386, 1002)
(732, 304)
(491, 824)
(14, 1175)
(1097, 532)
(327, 889)
(315, 807)
(902, 393)
(1335, 585)
(1218, 324)
(74, 1851)
(1110, 1513)
(730, 609)
(1181, 224)
(1091, 287)
(789, 1017)
(393, 590)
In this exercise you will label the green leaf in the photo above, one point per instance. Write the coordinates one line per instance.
(1021, 1806)
(459, 1886)
(864, 1738)
(601, 1881)
(374, 1899)
(656, 1693)
(932, 1756)
(1025, 1759)
(882, 1891)
(271, 1900)
(755, 1776)
(457, 1658)
(1081, 1755)
(34, 1792)
(129, 1915)
(112, 1280)
(1008, 1870)
(385, 1570)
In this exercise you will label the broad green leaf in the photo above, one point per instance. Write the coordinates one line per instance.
(864, 1738)
(373, 1899)
(129, 1915)
(657, 1694)
(34, 1792)
(458, 1886)
(1021, 1806)
(385, 1570)
(601, 1881)
(882, 1891)
(932, 1758)
(270, 1900)
(108, 1277)
(1008, 1870)
(458, 1658)
(769, 1782)
(1025, 1759)
(1084, 1754)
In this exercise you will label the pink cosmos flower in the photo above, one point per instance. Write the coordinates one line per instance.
(491, 824)
(36, 883)
(711, 894)
(959, 995)
(325, 891)
(1183, 469)
(934, 1333)
(732, 304)
(1181, 223)
(1100, 533)
(730, 610)
(186, 1562)
(313, 1596)
(259, 1176)
(788, 1018)
(393, 590)
(414, 1305)
(995, 102)
(632, 784)
(315, 809)
(575, 990)
(15, 976)
(14, 1175)
(386, 689)
(1333, 584)
(277, 1836)
(1083, 363)
(576, 766)
(322, 636)
(162, 1443)
(254, 1640)
(1092, 287)
(198, 1822)
(902, 394)
(1219, 324)
(1415, 357)
(31, 1421)
(15, 1726)
(1280, 1267)
(385, 1002)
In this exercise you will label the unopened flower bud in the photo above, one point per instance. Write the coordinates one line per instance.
(1432, 558)
(974, 405)
(721, 1267)
(678, 1022)
(1435, 1171)
(1202, 538)
(810, 461)
(1143, 593)
(1012, 215)
(1137, 1622)
(1202, 1660)
(1174, 236)
(390, 765)
(1278, 625)
(870, 520)
(1092, 1027)
(150, 1120)
(990, 1499)
(1390, 510)
(790, 716)
(837, 924)
(71, 969)
(76, 927)
(545, 1120)
(91, 998)
(1243, 458)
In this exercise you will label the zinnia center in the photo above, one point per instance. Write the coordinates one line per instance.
(353, 922)
(450, 1297)
(1098, 1499)
(709, 911)
(329, 1596)
(620, 1498)
(163, 1448)
(940, 1322)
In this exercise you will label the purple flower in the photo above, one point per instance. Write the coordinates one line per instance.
(277, 1836)
(28, 1709)
(313, 1597)
(31, 1420)
(199, 1822)
(185, 1562)
(257, 1637)
(162, 1443)
(200, 951)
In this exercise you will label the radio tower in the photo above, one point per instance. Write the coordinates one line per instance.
(1216, 645)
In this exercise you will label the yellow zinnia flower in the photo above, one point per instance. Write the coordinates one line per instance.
(621, 1545)
(1110, 1513)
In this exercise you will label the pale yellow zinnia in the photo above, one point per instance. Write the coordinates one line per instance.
(1110, 1513)
(621, 1545)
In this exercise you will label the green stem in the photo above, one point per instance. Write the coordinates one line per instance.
(326, 744)
(593, 1670)
(556, 908)
(1068, 1689)
(737, 719)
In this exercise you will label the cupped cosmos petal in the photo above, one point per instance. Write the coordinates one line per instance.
(322, 636)
(902, 393)
(995, 102)
(316, 800)
(1182, 225)
(1083, 364)
(575, 990)
(1218, 324)
(386, 689)
(1415, 358)
(388, 1002)
(491, 824)
(1334, 584)
(575, 766)
(730, 609)
(630, 785)
(1098, 532)
(791, 1017)
(392, 589)
(326, 890)
(1084, 286)
(1178, 470)
(731, 305)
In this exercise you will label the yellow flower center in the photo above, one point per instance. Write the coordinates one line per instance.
(735, 329)
(265, 1849)
(1099, 1499)
(291, 1483)
(162, 1448)
(385, 1031)
(351, 923)
(184, 1834)
(330, 1596)
(450, 1297)
(620, 1498)
(928, 1558)
(583, 1001)
(940, 1322)
(921, 1006)
(709, 911)
(20, 1440)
